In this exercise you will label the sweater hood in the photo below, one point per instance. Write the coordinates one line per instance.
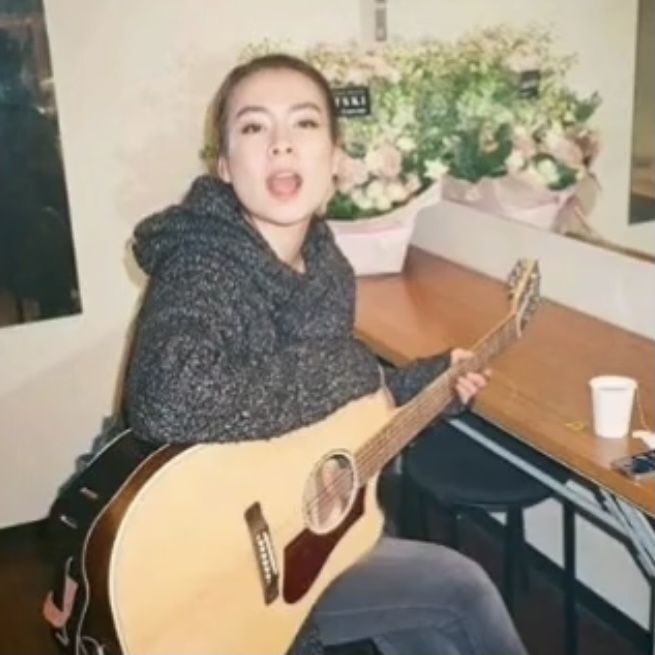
(208, 226)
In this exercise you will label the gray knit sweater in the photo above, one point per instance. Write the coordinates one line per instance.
(233, 344)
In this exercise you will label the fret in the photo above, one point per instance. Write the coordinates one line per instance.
(417, 414)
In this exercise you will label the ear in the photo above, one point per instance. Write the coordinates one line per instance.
(223, 170)
(337, 157)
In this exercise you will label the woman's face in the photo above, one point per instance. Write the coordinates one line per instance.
(280, 157)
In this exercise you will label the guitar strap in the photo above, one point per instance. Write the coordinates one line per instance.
(57, 612)
(65, 604)
(71, 522)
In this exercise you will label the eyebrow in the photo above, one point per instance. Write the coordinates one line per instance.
(261, 109)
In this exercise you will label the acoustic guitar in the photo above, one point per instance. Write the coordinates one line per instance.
(224, 548)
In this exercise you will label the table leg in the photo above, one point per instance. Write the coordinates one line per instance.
(642, 536)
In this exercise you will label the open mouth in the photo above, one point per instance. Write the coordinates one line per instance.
(284, 185)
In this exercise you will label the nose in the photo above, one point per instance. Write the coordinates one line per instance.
(281, 149)
(280, 144)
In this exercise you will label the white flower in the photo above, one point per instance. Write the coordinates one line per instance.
(520, 61)
(385, 161)
(350, 173)
(355, 76)
(383, 203)
(383, 69)
(435, 168)
(515, 161)
(523, 142)
(563, 148)
(375, 190)
(413, 183)
(547, 171)
(556, 129)
(373, 160)
(331, 73)
(396, 192)
(361, 200)
(406, 144)
(404, 115)
(394, 76)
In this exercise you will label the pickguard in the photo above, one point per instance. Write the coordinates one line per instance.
(305, 556)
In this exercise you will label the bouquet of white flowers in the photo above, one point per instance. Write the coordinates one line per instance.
(504, 95)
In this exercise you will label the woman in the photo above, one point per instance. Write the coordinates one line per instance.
(246, 332)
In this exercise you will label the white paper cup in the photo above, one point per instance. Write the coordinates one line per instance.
(612, 397)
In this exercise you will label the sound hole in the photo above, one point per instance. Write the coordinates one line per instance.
(329, 492)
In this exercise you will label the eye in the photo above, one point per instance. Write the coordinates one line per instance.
(308, 123)
(250, 128)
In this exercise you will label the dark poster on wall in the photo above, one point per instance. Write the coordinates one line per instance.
(38, 277)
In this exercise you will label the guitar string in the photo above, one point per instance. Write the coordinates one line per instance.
(322, 500)
(375, 450)
(378, 447)
(427, 406)
(424, 406)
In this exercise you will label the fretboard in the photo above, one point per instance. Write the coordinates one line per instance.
(417, 414)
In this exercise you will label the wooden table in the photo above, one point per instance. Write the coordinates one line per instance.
(539, 389)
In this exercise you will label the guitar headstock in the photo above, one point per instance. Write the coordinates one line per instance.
(523, 282)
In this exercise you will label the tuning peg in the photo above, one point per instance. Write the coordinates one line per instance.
(514, 276)
(518, 268)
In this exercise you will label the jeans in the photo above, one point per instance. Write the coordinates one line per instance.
(415, 598)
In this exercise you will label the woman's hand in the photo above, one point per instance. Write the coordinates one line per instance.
(468, 384)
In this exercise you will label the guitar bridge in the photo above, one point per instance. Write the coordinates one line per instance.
(264, 552)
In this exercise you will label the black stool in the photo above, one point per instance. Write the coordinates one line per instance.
(449, 468)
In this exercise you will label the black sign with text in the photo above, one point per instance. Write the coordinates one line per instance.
(352, 101)
(529, 83)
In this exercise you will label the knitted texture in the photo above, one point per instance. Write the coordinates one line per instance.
(233, 344)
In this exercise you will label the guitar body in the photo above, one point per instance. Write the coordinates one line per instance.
(222, 548)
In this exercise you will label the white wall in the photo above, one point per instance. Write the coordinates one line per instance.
(133, 81)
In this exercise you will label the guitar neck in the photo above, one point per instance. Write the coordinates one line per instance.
(417, 414)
